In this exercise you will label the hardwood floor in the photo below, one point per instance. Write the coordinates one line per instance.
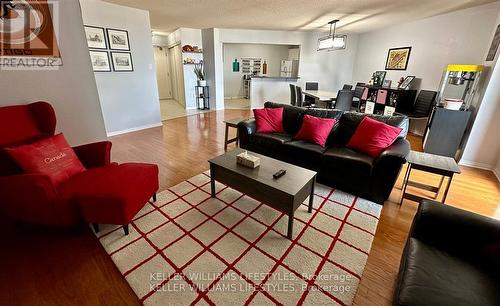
(57, 267)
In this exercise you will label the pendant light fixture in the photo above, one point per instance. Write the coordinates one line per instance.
(332, 41)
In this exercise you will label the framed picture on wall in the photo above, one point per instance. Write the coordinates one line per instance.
(118, 39)
(100, 61)
(96, 39)
(406, 82)
(397, 58)
(122, 61)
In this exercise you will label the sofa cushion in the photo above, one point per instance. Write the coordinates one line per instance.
(269, 139)
(373, 137)
(292, 116)
(51, 156)
(433, 277)
(342, 159)
(350, 120)
(331, 114)
(269, 120)
(315, 130)
(303, 153)
(111, 194)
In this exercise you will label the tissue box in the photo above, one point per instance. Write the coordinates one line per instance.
(247, 160)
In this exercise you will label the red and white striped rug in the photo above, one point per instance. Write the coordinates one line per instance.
(190, 249)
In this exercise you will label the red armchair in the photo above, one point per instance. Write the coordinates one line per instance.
(33, 198)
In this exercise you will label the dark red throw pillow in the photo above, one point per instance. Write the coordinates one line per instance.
(269, 120)
(51, 156)
(315, 129)
(372, 137)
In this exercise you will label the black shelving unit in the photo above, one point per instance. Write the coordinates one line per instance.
(202, 97)
(402, 99)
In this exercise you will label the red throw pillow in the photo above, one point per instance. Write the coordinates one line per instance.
(372, 137)
(51, 156)
(315, 129)
(269, 120)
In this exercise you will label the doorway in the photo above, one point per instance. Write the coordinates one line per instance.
(163, 73)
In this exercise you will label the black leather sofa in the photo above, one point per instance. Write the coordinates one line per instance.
(337, 166)
(452, 257)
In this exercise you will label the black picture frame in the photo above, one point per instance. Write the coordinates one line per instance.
(122, 70)
(101, 29)
(112, 46)
(108, 59)
(388, 67)
(406, 83)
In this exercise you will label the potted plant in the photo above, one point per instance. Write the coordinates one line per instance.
(198, 71)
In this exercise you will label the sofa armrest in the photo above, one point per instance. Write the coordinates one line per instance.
(397, 152)
(28, 197)
(458, 232)
(94, 155)
(245, 129)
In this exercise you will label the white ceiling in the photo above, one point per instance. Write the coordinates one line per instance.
(356, 16)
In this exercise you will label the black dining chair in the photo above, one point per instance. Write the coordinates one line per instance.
(300, 97)
(293, 95)
(344, 100)
(312, 86)
(423, 105)
(347, 87)
(358, 93)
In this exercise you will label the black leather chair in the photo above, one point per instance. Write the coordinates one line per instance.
(300, 96)
(337, 166)
(312, 86)
(423, 105)
(343, 101)
(347, 87)
(451, 258)
(358, 93)
(293, 95)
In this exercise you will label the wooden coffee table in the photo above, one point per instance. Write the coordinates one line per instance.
(285, 194)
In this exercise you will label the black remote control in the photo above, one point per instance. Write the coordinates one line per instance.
(279, 174)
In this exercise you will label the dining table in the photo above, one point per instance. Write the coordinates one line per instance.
(321, 96)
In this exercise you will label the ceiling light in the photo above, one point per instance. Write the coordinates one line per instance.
(332, 41)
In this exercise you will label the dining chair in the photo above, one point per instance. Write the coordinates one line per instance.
(422, 106)
(358, 93)
(311, 85)
(300, 97)
(344, 100)
(347, 87)
(293, 95)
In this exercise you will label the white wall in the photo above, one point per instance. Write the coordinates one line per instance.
(160, 40)
(330, 69)
(483, 146)
(233, 81)
(71, 89)
(190, 37)
(129, 100)
(460, 37)
(212, 56)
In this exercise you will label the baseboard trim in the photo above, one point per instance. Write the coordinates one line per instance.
(497, 173)
(139, 128)
(474, 164)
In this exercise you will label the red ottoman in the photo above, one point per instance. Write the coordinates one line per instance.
(113, 194)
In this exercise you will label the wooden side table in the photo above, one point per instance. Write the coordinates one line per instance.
(232, 123)
(436, 164)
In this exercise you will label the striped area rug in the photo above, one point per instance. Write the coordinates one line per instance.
(190, 249)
